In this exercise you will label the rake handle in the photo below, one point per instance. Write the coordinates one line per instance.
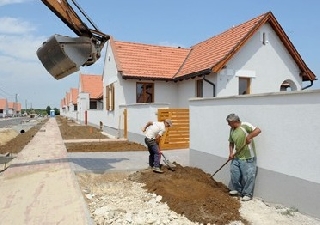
(220, 168)
(228, 160)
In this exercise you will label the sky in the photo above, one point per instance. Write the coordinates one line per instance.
(26, 24)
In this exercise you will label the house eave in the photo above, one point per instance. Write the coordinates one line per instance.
(193, 75)
(128, 77)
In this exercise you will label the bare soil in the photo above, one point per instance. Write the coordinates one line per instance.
(16, 145)
(188, 191)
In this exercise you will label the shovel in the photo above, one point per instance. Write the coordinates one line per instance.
(170, 165)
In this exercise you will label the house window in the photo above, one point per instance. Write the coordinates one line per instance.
(144, 92)
(75, 107)
(244, 86)
(93, 105)
(265, 38)
(110, 97)
(199, 88)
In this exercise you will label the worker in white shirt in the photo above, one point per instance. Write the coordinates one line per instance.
(153, 132)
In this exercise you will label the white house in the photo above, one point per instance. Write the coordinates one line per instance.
(90, 95)
(251, 58)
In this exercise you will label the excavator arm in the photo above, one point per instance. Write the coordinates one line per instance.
(63, 55)
(65, 12)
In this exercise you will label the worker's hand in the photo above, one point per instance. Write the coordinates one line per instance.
(143, 129)
(159, 150)
(231, 156)
(248, 140)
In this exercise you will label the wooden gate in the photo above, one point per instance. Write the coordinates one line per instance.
(177, 136)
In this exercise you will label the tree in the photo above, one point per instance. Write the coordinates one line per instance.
(48, 110)
(56, 111)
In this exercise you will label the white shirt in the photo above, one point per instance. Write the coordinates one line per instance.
(155, 129)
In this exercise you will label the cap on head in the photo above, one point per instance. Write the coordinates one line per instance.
(233, 117)
(169, 122)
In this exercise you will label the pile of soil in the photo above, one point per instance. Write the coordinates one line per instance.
(193, 193)
(187, 191)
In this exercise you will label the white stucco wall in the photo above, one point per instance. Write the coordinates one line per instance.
(137, 117)
(110, 68)
(287, 121)
(83, 105)
(288, 147)
(268, 63)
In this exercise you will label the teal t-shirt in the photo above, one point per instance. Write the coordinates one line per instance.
(238, 138)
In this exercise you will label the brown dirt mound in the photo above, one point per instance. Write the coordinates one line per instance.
(193, 193)
(71, 130)
(110, 146)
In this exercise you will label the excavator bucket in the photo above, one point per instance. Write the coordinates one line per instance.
(63, 55)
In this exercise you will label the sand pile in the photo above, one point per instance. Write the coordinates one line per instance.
(6, 134)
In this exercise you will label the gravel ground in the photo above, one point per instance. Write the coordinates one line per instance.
(113, 198)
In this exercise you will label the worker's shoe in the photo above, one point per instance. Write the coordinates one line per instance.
(233, 192)
(157, 170)
(246, 198)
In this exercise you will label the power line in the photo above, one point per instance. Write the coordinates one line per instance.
(6, 93)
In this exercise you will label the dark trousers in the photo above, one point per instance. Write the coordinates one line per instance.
(154, 152)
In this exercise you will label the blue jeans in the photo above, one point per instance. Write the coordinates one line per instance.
(243, 175)
(154, 154)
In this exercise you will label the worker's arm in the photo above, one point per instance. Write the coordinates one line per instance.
(231, 147)
(253, 134)
(148, 124)
(158, 137)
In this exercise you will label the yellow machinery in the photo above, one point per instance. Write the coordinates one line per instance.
(63, 55)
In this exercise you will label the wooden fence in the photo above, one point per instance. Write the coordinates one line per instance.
(177, 136)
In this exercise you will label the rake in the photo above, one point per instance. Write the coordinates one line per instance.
(228, 161)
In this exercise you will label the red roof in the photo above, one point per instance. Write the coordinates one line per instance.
(74, 92)
(143, 60)
(3, 103)
(92, 84)
(136, 60)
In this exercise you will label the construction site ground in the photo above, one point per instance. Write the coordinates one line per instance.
(186, 190)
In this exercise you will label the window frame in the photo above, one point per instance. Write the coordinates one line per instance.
(142, 96)
(199, 88)
(248, 86)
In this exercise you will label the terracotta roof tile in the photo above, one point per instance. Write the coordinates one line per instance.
(63, 103)
(3, 103)
(14, 106)
(92, 84)
(68, 98)
(210, 53)
(10, 105)
(74, 92)
(148, 61)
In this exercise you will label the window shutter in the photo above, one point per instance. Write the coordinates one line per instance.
(107, 98)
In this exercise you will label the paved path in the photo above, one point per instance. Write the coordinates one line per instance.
(40, 186)
(120, 161)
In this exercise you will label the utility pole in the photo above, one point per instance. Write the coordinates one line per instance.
(16, 105)
(26, 111)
